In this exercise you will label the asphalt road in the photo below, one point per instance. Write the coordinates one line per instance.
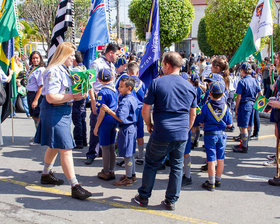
(244, 197)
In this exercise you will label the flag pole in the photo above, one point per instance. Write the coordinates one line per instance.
(271, 50)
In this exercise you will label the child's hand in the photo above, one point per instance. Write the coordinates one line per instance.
(95, 131)
(105, 108)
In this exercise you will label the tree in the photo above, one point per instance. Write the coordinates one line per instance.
(202, 39)
(41, 16)
(176, 18)
(276, 38)
(226, 24)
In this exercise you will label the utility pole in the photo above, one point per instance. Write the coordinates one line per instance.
(118, 19)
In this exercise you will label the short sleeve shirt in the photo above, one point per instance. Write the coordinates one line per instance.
(57, 80)
(248, 88)
(172, 97)
(34, 78)
(215, 118)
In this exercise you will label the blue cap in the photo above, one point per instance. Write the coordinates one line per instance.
(104, 75)
(213, 77)
(217, 87)
(246, 66)
(120, 62)
(194, 77)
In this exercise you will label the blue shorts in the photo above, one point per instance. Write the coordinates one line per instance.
(215, 146)
(127, 140)
(140, 125)
(107, 131)
(245, 116)
(30, 98)
(188, 145)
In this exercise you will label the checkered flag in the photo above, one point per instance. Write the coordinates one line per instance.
(63, 19)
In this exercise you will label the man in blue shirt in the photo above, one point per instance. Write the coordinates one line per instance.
(174, 100)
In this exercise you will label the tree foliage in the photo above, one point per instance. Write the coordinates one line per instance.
(276, 38)
(176, 18)
(202, 39)
(41, 16)
(227, 22)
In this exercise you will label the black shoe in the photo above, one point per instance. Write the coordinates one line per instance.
(254, 137)
(120, 164)
(51, 179)
(162, 167)
(204, 168)
(85, 144)
(206, 185)
(186, 181)
(89, 161)
(231, 129)
(139, 162)
(217, 183)
(80, 193)
(168, 205)
(143, 202)
(275, 181)
(79, 147)
(239, 149)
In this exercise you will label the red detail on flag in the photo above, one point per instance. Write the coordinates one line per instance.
(97, 7)
(100, 48)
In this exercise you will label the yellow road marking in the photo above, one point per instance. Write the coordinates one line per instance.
(169, 215)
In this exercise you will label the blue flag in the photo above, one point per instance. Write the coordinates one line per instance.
(149, 66)
(96, 32)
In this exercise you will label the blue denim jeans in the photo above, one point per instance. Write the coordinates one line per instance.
(155, 153)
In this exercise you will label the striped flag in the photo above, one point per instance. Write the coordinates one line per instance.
(63, 19)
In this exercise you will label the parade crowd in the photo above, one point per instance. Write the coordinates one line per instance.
(190, 95)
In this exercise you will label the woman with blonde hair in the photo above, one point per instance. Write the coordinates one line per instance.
(54, 128)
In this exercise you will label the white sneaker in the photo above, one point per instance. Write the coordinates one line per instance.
(33, 143)
(270, 163)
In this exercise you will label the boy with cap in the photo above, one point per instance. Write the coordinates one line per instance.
(106, 124)
(247, 91)
(215, 117)
(126, 115)
(120, 67)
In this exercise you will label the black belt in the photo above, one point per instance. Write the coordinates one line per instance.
(214, 132)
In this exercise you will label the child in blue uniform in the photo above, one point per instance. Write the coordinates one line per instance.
(126, 115)
(79, 109)
(215, 116)
(139, 93)
(247, 92)
(106, 125)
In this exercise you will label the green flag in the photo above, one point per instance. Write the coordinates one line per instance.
(82, 80)
(260, 103)
(8, 21)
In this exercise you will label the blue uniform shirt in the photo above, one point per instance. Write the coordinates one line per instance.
(127, 109)
(34, 78)
(215, 115)
(108, 96)
(248, 87)
(172, 97)
(57, 80)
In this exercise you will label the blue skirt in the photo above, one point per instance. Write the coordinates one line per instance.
(54, 129)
